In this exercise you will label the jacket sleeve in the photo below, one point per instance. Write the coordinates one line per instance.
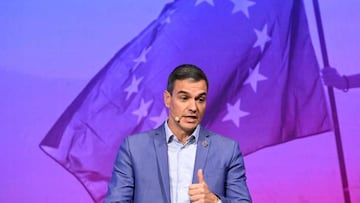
(236, 189)
(121, 185)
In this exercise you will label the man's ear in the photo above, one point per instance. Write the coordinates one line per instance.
(167, 98)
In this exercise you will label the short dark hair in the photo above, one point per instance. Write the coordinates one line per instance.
(186, 71)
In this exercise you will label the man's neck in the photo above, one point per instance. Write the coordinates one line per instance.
(179, 133)
(182, 137)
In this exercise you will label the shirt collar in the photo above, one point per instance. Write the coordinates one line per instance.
(170, 134)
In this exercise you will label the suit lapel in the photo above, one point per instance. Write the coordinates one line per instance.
(162, 161)
(202, 149)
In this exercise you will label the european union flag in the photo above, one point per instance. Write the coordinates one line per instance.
(265, 86)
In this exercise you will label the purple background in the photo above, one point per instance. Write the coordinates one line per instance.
(50, 50)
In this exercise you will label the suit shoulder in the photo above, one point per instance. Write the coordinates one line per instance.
(220, 137)
(222, 140)
(143, 136)
(228, 147)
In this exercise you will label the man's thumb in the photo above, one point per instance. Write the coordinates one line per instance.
(200, 176)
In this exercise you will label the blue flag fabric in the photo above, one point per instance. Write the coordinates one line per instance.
(265, 86)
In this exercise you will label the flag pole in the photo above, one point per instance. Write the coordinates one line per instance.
(339, 147)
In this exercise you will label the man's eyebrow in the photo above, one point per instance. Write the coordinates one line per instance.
(201, 95)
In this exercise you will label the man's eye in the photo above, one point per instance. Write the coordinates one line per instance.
(183, 98)
(202, 99)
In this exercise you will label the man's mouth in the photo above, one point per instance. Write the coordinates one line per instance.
(191, 118)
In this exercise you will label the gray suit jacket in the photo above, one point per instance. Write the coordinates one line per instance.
(141, 175)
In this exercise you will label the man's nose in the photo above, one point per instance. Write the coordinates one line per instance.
(192, 106)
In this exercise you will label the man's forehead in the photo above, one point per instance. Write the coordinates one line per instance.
(200, 93)
(190, 86)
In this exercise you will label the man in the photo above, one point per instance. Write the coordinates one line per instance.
(180, 161)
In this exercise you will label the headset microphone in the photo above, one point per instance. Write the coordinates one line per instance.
(176, 117)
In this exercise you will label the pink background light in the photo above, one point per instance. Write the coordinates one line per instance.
(50, 50)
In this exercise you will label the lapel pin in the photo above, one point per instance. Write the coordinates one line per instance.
(205, 143)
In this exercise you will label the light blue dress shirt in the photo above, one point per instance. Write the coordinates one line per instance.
(181, 164)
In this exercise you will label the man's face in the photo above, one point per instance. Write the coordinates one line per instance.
(186, 105)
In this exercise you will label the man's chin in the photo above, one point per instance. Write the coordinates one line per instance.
(189, 127)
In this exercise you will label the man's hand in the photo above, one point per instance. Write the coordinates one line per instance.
(332, 78)
(200, 193)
